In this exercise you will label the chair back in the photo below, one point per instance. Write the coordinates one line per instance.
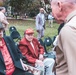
(42, 43)
(15, 35)
(48, 41)
(12, 28)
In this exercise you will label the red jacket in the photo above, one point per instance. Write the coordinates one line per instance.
(28, 51)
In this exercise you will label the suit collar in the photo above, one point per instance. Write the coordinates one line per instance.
(1, 57)
(70, 16)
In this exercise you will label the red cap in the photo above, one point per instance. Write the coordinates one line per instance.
(29, 31)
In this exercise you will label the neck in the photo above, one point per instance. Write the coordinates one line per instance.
(0, 39)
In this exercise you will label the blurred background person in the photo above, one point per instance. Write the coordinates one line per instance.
(3, 18)
(40, 23)
(50, 19)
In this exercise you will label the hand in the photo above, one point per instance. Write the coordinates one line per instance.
(41, 57)
(24, 65)
(39, 62)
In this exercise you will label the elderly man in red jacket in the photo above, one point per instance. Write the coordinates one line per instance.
(32, 49)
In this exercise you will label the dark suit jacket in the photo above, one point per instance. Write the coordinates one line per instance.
(15, 55)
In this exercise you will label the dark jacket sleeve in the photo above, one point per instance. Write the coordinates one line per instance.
(14, 47)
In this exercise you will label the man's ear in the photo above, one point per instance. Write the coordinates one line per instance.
(59, 5)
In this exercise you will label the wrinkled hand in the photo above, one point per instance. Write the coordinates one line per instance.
(39, 62)
(41, 57)
(25, 66)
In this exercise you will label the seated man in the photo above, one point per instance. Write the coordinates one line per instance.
(10, 58)
(32, 49)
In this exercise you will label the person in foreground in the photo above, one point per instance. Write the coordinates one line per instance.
(65, 11)
(32, 49)
(10, 58)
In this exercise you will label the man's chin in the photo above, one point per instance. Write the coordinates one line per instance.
(30, 40)
(1, 37)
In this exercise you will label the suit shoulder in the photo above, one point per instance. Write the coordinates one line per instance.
(35, 39)
(66, 32)
(23, 41)
(66, 29)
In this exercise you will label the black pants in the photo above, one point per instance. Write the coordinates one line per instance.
(21, 72)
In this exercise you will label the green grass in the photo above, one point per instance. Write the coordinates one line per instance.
(22, 25)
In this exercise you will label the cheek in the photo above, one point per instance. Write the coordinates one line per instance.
(56, 13)
(29, 38)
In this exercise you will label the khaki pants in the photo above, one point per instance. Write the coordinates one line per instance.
(50, 22)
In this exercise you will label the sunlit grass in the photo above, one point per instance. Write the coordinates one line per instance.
(22, 25)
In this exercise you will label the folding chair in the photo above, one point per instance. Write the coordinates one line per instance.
(47, 54)
(48, 42)
(15, 36)
(12, 28)
(42, 43)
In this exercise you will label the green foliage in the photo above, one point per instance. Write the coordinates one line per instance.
(22, 6)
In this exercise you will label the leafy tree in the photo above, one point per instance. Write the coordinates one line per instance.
(21, 6)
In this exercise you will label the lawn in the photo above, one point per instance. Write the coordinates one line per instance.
(22, 25)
